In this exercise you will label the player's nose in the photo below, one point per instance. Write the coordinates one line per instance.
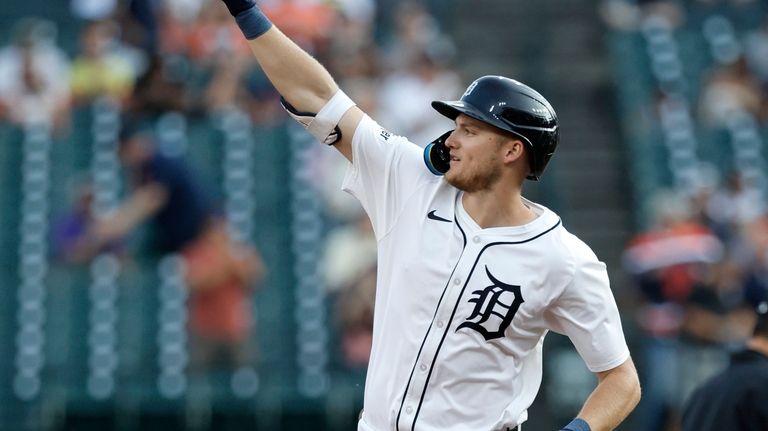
(451, 141)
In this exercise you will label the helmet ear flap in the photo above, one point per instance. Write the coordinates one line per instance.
(437, 157)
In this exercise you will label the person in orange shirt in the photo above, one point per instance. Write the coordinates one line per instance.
(219, 272)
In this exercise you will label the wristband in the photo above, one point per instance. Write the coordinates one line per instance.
(577, 425)
(252, 22)
(237, 6)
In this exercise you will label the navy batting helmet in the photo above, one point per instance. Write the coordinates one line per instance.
(509, 105)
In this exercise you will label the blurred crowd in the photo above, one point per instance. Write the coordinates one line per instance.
(188, 57)
(738, 80)
(700, 267)
(699, 271)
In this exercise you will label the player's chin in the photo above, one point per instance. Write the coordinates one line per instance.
(454, 178)
(467, 182)
(451, 176)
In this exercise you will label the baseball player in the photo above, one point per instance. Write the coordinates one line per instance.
(471, 276)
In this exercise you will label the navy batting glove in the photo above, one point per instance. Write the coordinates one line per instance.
(237, 6)
(577, 425)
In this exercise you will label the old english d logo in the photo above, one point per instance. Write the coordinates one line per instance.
(495, 307)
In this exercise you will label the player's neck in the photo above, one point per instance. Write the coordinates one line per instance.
(497, 208)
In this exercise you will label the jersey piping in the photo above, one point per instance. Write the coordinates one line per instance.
(450, 320)
(424, 340)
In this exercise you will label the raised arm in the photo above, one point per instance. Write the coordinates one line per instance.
(300, 79)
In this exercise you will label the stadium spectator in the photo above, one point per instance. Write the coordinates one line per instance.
(352, 53)
(225, 88)
(732, 205)
(309, 23)
(72, 237)
(350, 278)
(350, 253)
(404, 93)
(361, 12)
(666, 263)
(205, 37)
(235, 83)
(219, 272)
(98, 70)
(162, 88)
(140, 18)
(730, 88)
(416, 31)
(716, 315)
(34, 83)
(262, 101)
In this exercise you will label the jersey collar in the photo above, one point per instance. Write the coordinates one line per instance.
(544, 220)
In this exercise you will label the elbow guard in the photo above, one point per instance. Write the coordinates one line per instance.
(323, 126)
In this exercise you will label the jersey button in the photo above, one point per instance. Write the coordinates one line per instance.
(409, 409)
(440, 324)
(457, 281)
(476, 239)
(423, 367)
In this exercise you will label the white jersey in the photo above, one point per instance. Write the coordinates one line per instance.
(461, 311)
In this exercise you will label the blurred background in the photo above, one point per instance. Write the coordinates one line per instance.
(206, 272)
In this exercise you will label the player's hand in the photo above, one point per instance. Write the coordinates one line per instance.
(237, 6)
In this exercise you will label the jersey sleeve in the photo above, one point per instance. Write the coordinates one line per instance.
(586, 312)
(386, 171)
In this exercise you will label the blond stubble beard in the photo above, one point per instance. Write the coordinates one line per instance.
(479, 180)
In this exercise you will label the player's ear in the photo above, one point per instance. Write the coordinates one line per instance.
(514, 149)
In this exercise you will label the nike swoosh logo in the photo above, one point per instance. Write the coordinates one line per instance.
(434, 216)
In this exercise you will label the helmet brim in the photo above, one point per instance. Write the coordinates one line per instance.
(452, 109)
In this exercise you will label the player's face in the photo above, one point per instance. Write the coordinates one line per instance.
(475, 149)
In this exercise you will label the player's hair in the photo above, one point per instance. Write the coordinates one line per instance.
(504, 136)
(761, 327)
